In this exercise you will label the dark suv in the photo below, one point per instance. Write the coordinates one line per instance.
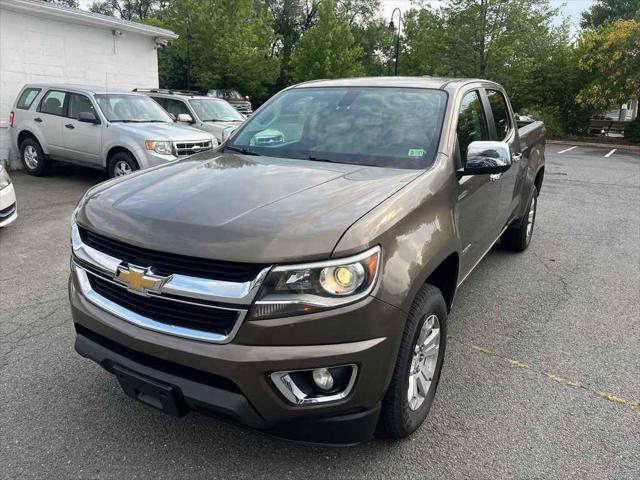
(240, 103)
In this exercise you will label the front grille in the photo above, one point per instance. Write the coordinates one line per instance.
(7, 212)
(243, 108)
(184, 149)
(186, 315)
(168, 263)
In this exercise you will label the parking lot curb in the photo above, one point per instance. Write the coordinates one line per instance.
(633, 148)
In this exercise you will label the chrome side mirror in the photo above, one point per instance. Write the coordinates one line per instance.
(487, 157)
(185, 117)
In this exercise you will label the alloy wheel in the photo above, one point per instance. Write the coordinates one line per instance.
(31, 157)
(424, 361)
(121, 168)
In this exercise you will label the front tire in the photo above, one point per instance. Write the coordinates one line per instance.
(417, 372)
(33, 158)
(518, 236)
(121, 164)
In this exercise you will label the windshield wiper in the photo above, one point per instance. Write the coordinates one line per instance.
(242, 150)
(319, 159)
(137, 121)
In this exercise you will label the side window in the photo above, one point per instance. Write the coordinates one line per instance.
(53, 102)
(27, 97)
(176, 107)
(161, 101)
(500, 113)
(79, 103)
(472, 125)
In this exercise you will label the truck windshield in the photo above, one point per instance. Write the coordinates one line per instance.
(391, 127)
(123, 107)
(211, 110)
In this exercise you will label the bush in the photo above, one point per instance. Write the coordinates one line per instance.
(552, 120)
(632, 131)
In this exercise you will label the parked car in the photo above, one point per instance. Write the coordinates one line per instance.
(301, 285)
(8, 205)
(237, 101)
(212, 115)
(114, 130)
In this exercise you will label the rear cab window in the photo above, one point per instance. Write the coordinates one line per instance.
(27, 97)
(501, 117)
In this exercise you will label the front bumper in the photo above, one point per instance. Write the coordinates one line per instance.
(232, 380)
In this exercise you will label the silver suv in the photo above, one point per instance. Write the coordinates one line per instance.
(114, 130)
(210, 114)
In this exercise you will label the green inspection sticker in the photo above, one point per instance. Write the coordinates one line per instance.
(415, 152)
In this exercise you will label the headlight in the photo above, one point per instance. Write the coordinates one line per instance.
(163, 147)
(5, 180)
(311, 287)
(226, 133)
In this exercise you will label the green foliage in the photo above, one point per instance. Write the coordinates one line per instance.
(127, 9)
(327, 50)
(611, 55)
(632, 131)
(609, 10)
(222, 44)
(68, 3)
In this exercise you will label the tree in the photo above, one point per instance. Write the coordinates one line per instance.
(422, 45)
(611, 55)
(327, 50)
(68, 3)
(611, 10)
(128, 9)
(222, 44)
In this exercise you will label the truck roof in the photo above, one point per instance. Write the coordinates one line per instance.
(426, 81)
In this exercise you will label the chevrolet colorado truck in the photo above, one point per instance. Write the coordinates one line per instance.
(297, 279)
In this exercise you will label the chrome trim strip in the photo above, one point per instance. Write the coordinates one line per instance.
(178, 285)
(101, 261)
(288, 388)
(145, 322)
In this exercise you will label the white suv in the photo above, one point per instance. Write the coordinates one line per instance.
(210, 114)
(114, 130)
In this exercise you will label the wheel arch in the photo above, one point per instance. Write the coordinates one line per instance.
(119, 149)
(445, 277)
(26, 133)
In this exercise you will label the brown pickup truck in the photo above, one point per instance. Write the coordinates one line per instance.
(297, 280)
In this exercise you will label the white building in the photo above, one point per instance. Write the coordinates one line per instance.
(45, 42)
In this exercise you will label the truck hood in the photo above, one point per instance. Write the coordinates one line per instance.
(162, 131)
(240, 208)
(216, 128)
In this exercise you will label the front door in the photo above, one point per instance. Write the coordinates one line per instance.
(82, 141)
(477, 194)
(49, 119)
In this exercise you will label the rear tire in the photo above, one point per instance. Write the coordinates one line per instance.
(121, 164)
(414, 382)
(33, 158)
(518, 236)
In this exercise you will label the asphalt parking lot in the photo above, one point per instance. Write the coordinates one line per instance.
(541, 376)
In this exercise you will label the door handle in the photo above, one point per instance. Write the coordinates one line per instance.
(37, 119)
(494, 177)
(516, 157)
(70, 126)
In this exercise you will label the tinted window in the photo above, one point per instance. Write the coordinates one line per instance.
(176, 107)
(500, 113)
(53, 102)
(27, 97)
(472, 125)
(394, 127)
(79, 103)
(161, 101)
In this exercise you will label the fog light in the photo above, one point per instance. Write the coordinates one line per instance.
(323, 379)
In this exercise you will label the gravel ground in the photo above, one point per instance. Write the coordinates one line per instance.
(541, 376)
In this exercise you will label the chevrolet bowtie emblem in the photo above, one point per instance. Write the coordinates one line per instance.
(139, 279)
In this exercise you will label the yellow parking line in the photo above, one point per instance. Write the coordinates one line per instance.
(635, 406)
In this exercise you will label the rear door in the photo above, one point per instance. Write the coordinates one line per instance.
(82, 141)
(49, 116)
(477, 194)
(503, 130)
